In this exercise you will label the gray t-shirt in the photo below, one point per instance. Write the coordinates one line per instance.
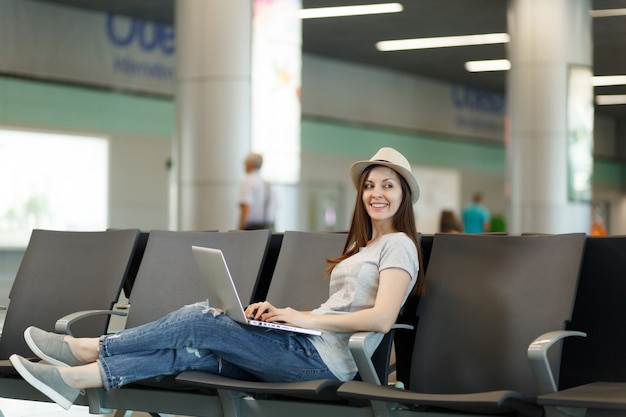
(353, 287)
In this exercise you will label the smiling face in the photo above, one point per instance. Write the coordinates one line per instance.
(382, 194)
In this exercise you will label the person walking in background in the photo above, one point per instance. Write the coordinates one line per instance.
(476, 217)
(257, 201)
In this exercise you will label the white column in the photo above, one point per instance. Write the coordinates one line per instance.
(548, 37)
(213, 49)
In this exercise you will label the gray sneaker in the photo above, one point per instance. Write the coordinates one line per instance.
(50, 347)
(47, 379)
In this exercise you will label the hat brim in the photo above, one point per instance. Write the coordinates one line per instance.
(357, 169)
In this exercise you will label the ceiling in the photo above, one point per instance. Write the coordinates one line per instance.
(353, 38)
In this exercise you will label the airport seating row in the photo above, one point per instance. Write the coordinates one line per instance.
(60, 273)
(482, 338)
(166, 278)
(489, 297)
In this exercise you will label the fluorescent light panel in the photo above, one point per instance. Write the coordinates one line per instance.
(603, 80)
(610, 100)
(442, 42)
(488, 65)
(505, 65)
(608, 13)
(358, 10)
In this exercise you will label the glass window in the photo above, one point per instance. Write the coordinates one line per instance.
(51, 181)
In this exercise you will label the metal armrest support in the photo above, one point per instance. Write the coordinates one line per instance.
(538, 356)
(363, 361)
(63, 324)
(363, 358)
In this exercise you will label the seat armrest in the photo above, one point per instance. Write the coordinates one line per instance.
(63, 324)
(538, 356)
(363, 358)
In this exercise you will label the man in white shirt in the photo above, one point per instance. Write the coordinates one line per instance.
(256, 197)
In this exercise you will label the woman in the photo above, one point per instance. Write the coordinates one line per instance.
(369, 283)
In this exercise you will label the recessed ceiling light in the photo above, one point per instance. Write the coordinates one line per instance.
(442, 42)
(357, 10)
(488, 65)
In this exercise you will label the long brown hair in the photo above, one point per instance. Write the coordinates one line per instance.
(361, 227)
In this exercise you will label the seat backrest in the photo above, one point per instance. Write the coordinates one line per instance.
(140, 248)
(64, 272)
(299, 279)
(403, 338)
(168, 276)
(263, 283)
(599, 311)
(488, 298)
(426, 243)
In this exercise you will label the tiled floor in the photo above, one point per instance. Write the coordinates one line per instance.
(16, 408)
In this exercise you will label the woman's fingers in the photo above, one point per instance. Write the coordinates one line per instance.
(258, 310)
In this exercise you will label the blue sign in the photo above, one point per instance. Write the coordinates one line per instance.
(465, 98)
(149, 36)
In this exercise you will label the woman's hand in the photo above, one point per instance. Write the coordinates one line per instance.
(265, 311)
(256, 311)
(289, 316)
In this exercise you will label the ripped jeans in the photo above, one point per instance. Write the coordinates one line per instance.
(197, 337)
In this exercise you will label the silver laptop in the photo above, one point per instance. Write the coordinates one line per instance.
(223, 294)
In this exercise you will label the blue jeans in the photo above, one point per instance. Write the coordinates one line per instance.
(197, 337)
